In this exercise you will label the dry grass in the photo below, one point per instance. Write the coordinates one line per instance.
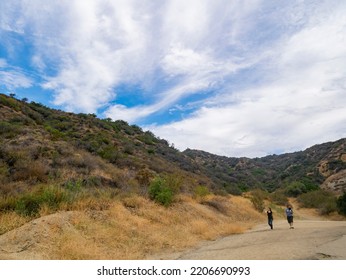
(129, 227)
(135, 228)
(11, 220)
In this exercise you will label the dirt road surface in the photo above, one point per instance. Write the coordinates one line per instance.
(309, 240)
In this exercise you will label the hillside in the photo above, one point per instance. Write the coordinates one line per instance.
(322, 165)
(40, 145)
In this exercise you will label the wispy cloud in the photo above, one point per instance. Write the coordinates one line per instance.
(13, 77)
(255, 77)
(96, 45)
(301, 100)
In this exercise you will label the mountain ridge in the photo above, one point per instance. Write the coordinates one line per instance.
(40, 145)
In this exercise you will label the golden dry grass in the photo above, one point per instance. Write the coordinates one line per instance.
(129, 227)
(11, 220)
(135, 227)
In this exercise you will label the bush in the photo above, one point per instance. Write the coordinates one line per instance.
(8, 130)
(341, 204)
(160, 192)
(279, 197)
(35, 171)
(28, 205)
(73, 185)
(258, 203)
(322, 200)
(144, 176)
(257, 199)
(295, 189)
(109, 153)
(233, 189)
(52, 197)
(201, 191)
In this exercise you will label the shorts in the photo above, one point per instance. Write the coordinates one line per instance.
(290, 219)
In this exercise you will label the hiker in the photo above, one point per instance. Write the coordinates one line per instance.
(270, 217)
(289, 215)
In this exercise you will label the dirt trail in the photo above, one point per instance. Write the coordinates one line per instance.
(311, 239)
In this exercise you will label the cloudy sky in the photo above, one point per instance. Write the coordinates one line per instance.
(231, 77)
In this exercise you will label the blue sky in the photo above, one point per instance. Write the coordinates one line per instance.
(231, 77)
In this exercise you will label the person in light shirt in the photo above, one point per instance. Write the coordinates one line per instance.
(289, 215)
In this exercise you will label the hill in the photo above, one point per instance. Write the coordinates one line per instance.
(322, 165)
(40, 145)
(57, 156)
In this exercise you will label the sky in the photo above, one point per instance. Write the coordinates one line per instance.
(239, 78)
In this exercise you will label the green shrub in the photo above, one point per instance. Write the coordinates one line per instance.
(327, 207)
(52, 197)
(74, 185)
(201, 191)
(10, 102)
(233, 189)
(160, 192)
(28, 205)
(322, 200)
(109, 153)
(55, 134)
(8, 130)
(295, 189)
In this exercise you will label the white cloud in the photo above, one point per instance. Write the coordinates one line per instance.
(93, 46)
(300, 103)
(276, 69)
(12, 77)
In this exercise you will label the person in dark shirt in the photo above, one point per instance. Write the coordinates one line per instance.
(270, 217)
